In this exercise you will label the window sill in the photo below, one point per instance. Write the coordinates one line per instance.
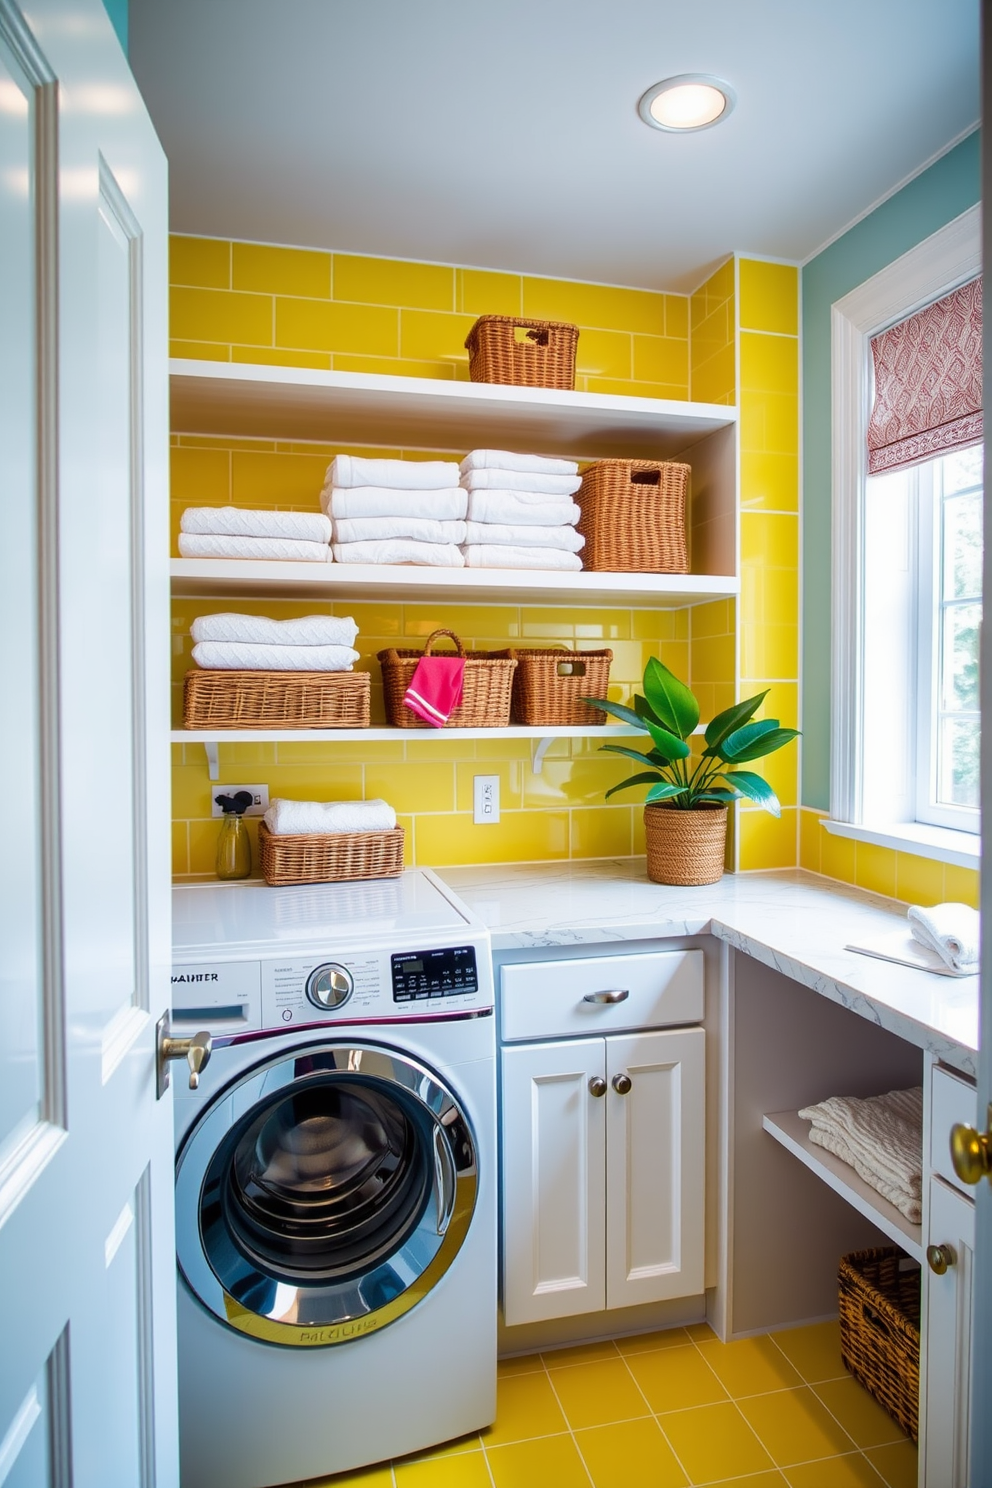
(963, 849)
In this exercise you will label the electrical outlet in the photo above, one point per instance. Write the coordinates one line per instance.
(485, 797)
(259, 798)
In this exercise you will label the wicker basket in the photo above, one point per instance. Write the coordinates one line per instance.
(880, 1329)
(542, 356)
(486, 687)
(328, 857)
(277, 700)
(633, 516)
(685, 847)
(549, 685)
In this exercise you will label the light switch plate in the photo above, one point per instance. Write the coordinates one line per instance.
(485, 797)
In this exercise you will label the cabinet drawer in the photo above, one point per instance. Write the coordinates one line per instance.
(554, 999)
(953, 1099)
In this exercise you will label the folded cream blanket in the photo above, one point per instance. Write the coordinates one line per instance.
(487, 459)
(422, 529)
(521, 480)
(881, 1137)
(491, 555)
(238, 521)
(347, 502)
(238, 656)
(403, 475)
(510, 507)
(212, 545)
(400, 550)
(521, 536)
(295, 818)
(952, 930)
(308, 630)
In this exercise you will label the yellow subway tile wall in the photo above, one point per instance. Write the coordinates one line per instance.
(884, 870)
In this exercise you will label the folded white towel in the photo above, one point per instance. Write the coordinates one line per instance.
(238, 656)
(519, 535)
(487, 459)
(422, 529)
(881, 1137)
(346, 502)
(952, 930)
(517, 480)
(212, 545)
(510, 507)
(486, 555)
(400, 550)
(239, 521)
(308, 630)
(295, 818)
(403, 475)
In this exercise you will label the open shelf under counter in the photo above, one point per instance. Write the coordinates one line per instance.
(788, 1128)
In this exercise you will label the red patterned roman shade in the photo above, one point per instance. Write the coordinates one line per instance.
(928, 383)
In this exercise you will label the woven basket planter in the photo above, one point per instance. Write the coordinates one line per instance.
(633, 516)
(486, 687)
(880, 1329)
(276, 700)
(522, 353)
(549, 685)
(685, 847)
(330, 857)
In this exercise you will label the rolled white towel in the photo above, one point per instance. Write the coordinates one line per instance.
(235, 656)
(239, 521)
(486, 555)
(308, 630)
(400, 550)
(373, 529)
(952, 930)
(521, 480)
(212, 545)
(298, 818)
(487, 459)
(403, 475)
(510, 507)
(347, 502)
(521, 536)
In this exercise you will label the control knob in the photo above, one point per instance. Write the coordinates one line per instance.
(329, 986)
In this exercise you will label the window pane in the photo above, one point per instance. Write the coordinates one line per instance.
(960, 657)
(958, 752)
(962, 469)
(963, 546)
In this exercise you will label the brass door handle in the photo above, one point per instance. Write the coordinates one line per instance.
(971, 1152)
(940, 1257)
(196, 1051)
(622, 1084)
(597, 1086)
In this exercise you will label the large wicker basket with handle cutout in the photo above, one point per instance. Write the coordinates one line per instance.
(486, 687)
(550, 684)
(880, 1329)
(633, 516)
(522, 353)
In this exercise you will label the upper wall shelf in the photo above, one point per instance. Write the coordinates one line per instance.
(292, 403)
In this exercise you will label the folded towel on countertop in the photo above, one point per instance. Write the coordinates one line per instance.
(213, 545)
(517, 480)
(444, 505)
(400, 550)
(305, 818)
(237, 656)
(308, 630)
(404, 475)
(372, 529)
(487, 459)
(491, 555)
(881, 1137)
(952, 930)
(522, 536)
(510, 507)
(238, 521)
(435, 689)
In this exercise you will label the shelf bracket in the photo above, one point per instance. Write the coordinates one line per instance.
(538, 749)
(213, 760)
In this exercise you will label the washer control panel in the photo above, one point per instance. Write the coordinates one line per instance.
(329, 986)
(423, 976)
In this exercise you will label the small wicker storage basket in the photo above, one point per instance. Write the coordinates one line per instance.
(880, 1329)
(329, 857)
(544, 356)
(277, 700)
(633, 516)
(549, 685)
(486, 687)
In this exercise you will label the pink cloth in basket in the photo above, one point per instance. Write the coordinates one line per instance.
(435, 688)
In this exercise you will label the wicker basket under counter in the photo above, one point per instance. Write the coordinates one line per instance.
(276, 700)
(633, 516)
(486, 686)
(330, 857)
(550, 683)
(543, 356)
(880, 1329)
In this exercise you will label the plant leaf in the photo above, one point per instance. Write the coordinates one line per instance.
(644, 775)
(619, 710)
(663, 792)
(730, 719)
(755, 788)
(744, 738)
(671, 701)
(717, 793)
(756, 748)
(654, 757)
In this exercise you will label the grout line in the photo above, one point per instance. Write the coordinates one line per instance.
(568, 1425)
(664, 1433)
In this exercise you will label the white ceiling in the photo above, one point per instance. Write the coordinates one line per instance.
(504, 133)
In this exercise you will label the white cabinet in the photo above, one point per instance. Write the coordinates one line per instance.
(948, 1339)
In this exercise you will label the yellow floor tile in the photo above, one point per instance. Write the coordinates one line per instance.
(773, 1479)
(644, 1343)
(466, 1470)
(674, 1379)
(583, 1353)
(630, 1454)
(553, 1462)
(795, 1426)
(898, 1464)
(715, 1442)
(460, 1445)
(526, 1406)
(814, 1350)
(700, 1332)
(853, 1471)
(523, 1364)
(861, 1417)
(750, 1366)
(596, 1394)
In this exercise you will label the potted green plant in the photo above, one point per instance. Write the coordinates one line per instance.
(685, 810)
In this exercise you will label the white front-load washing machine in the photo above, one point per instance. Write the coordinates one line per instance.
(335, 1177)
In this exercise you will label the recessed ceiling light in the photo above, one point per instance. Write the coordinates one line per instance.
(693, 100)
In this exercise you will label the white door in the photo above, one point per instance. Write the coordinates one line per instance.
(949, 1337)
(87, 1363)
(655, 1166)
(553, 1179)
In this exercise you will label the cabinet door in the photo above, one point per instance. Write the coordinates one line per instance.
(948, 1342)
(553, 1176)
(655, 1186)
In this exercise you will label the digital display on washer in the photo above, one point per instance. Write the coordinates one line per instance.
(422, 975)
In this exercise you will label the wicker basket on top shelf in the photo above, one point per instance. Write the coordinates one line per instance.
(633, 516)
(880, 1329)
(522, 353)
(549, 685)
(276, 700)
(486, 686)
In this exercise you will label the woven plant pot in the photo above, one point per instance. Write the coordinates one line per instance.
(685, 847)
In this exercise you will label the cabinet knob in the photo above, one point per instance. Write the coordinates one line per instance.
(597, 1086)
(939, 1257)
(971, 1152)
(622, 1084)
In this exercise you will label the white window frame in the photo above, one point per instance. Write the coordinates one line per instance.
(934, 268)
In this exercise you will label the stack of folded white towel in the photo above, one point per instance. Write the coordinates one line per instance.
(307, 818)
(252, 643)
(519, 511)
(236, 532)
(881, 1137)
(395, 511)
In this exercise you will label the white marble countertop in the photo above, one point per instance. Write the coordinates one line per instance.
(794, 921)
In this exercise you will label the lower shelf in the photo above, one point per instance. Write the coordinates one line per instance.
(788, 1128)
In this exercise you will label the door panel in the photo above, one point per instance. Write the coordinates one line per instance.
(949, 1341)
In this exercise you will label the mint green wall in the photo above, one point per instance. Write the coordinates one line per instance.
(949, 187)
(117, 11)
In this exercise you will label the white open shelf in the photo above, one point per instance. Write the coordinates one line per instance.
(788, 1128)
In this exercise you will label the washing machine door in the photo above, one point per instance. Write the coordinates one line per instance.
(324, 1193)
